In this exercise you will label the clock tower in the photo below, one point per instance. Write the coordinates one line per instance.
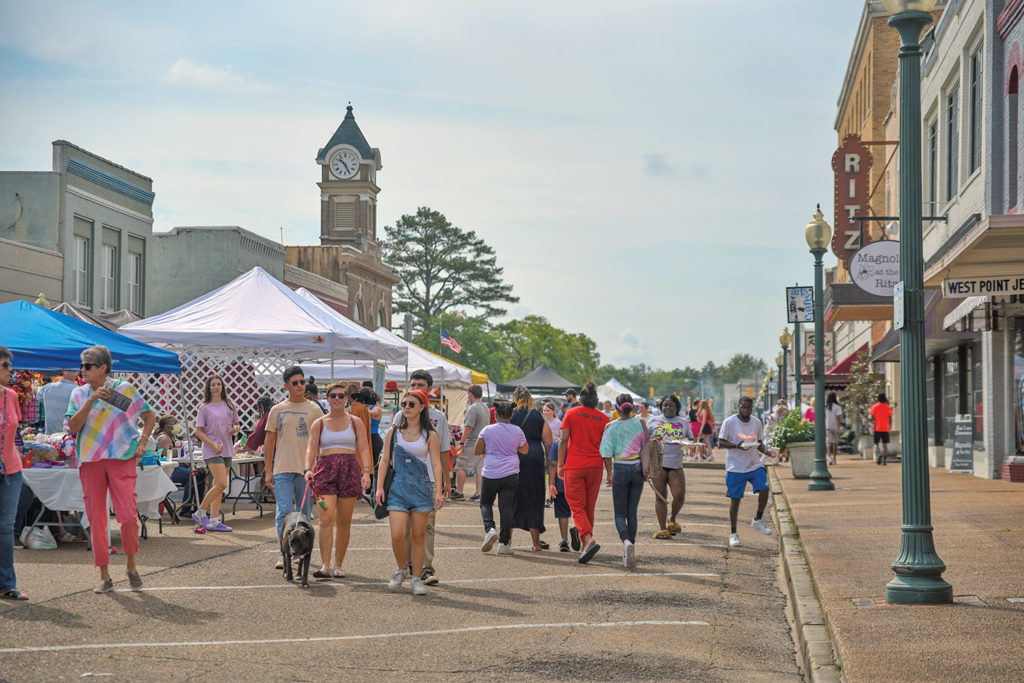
(349, 252)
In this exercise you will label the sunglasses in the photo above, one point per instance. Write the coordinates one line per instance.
(338, 396)
(297, 382)
(88, 366)
(410, 404)
(6, 364)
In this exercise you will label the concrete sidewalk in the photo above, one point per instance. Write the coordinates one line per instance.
(849, 538)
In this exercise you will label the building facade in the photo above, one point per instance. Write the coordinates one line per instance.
(77, 233)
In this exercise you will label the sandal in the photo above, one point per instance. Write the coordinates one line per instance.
(338, 573)
(13, 594)
(673, 528)
(322, 573)
(662, 534)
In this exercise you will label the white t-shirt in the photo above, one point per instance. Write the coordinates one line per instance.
(736, 430)
(832, 414)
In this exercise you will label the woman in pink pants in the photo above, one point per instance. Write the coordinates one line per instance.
(103, 415)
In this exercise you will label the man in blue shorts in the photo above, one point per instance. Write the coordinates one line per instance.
(742, 435)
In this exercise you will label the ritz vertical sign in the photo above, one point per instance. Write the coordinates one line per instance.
(852, 166)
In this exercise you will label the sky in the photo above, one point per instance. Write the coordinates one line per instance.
(643, 170)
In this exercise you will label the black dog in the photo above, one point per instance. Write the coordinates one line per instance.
(297, 536)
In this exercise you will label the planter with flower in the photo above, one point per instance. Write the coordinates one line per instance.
(796, 437)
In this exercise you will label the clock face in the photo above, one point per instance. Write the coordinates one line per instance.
(344, 163)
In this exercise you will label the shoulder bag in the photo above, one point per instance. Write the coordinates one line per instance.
(380, 511)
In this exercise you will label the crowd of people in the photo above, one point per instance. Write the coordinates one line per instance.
(329, 453)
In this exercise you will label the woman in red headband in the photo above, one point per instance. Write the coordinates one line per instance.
(415, 448)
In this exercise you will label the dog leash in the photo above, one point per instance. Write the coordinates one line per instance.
(305, 495)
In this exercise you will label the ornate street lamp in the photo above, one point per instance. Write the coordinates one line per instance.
(918, 568)
(784, 340)
(780, 358)
(819, 234)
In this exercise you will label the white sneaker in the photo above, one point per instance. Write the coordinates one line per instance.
(504, 548)
(628, 555)
(734, 540)
(280, 562)
(416, 586)
(758, 525)
(489, 538)
(395, 584)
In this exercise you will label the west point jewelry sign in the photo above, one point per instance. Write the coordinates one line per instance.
(876, 267)
(999, 285)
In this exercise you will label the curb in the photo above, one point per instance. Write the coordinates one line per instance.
(814, 645)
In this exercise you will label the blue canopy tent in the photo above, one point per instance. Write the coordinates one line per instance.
(41, 339)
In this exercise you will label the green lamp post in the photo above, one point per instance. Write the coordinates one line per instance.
(779, 360)
(819, 234)
(918, 568)
(784, 340)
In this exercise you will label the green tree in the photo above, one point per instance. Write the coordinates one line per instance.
(481, 348)
(532, 340)
(442, 268)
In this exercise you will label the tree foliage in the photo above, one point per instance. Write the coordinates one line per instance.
(685, 381)
(532, 340)
(442, 269)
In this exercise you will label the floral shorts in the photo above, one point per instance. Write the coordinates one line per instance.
(338, 474)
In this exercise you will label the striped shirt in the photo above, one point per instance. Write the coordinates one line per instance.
(109, 433)
(623, 440)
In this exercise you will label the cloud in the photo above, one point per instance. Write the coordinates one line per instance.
(192, 74)
(657, 165)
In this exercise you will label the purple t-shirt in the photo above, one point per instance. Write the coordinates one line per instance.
(501, 456)
(216, 420)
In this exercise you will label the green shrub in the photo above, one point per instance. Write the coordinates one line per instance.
(792, 429)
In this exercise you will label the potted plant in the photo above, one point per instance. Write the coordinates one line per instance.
(861, 394)
(796, 437)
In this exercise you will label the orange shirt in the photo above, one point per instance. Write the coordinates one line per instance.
(882, 412)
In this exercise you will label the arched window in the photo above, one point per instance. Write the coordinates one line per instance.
(381, 320)
(1012, 137)
(357, 312)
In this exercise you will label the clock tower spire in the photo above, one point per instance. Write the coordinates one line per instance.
(348, 187)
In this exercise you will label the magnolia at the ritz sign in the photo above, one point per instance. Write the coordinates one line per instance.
(876, 267)
(997, 285)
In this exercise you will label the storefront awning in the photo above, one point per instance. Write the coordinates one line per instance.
(847, 301)
(937, 338)
(992, 246)
(843, 368)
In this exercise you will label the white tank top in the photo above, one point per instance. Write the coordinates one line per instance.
(344, 439)
(418, 447)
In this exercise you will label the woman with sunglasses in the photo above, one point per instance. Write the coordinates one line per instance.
(338, 446)
(103, 415)
(417, 489)
(216, 426)
(10, 479)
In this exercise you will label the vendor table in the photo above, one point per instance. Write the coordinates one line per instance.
(58, 488)
(243, 469)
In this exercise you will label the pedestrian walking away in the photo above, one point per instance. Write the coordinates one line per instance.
(580, 465)
(742, 435)
(622, 442)
(421, 380)
(216, 426)
(556, 491)
(417, 490)
(500, 445)
(477, 417)
(671, 429)
(103, 414)
(833, 415)
(528, 513)
(338, 467)
(881, 411)
(284, 451)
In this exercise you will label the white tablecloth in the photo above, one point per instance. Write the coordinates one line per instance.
(59, 488)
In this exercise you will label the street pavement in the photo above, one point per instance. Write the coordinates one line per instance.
(850, 537)
(213, 607)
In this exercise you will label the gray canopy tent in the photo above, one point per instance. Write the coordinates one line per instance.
(541, 380)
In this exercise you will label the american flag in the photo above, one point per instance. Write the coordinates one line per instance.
(449, 342)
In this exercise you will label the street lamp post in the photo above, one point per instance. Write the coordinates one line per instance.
(918, 567)
(784, 340)
(798, 399)
(819, 234)
(780, 358)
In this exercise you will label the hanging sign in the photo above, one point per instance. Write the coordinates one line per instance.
(963, 445)
(897, 306)
(852, 166)
(875, 268)
(800, 304)
(999, 285)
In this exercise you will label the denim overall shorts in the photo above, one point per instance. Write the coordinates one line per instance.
(411, 489)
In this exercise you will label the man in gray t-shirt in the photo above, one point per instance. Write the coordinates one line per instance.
(477, 417)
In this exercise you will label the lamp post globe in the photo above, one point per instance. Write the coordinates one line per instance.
(918, 567)
(818, 234)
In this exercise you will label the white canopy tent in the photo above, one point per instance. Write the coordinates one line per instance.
(614, 387)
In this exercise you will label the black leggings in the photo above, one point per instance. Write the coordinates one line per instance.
(505, 490)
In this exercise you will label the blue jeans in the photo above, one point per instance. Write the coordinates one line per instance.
(627, 485)
(288, 490)
(10, 491)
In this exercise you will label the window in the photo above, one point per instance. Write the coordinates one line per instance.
(977, 86)
(380, 317)
(977, 396)
(109, 278)
(357, 312)
(933, 167)
(135, 283)
(80, 272)
(1012, 124)
(952, 142)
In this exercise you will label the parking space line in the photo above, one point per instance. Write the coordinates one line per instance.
(329, 639)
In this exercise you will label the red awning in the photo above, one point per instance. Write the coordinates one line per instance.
(844, 367)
